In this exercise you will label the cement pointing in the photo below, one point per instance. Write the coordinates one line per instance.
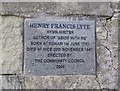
(25, 9)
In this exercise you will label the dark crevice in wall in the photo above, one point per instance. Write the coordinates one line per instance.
(90, 15)
(7, 74)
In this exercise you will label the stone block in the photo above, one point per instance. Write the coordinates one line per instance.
(12, 28)
(11, 50)
(33, 9)
(12, 82)
(107, 56)
(62, 82)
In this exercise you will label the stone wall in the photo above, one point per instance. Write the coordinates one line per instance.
(11, 25)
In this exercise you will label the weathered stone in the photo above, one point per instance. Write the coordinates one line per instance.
(107, 70)
(0, 83)
(12, 82)
(101, 33)
(0, 7)
(108, 57)
(32, 9)
(116, 16)
(11, 45)
(115, 7)
(107, 45)
(0, 44)
(62, 82)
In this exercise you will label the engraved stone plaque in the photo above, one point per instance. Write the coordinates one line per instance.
(59, 47)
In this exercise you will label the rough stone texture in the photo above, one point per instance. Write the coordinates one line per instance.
(62, 82)
(107, 69)
(107, 46)
(25, 9)
(0, 53)
(12, 45)
(115, 7)
(0, 7)
(0, 83)
(107, 51)
(0, 44)
(12, 82)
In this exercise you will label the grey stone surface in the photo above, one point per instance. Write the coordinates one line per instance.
(115, 7)
(0, 7)
(107, 52)
(78, 62)
(0, 44)
(11, 45)
(12, 82)
(107, 67)
(27, 9)
(107, 70)
(0, 83)
(62, 82)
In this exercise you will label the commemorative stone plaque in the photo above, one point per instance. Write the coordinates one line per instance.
(54, 47)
